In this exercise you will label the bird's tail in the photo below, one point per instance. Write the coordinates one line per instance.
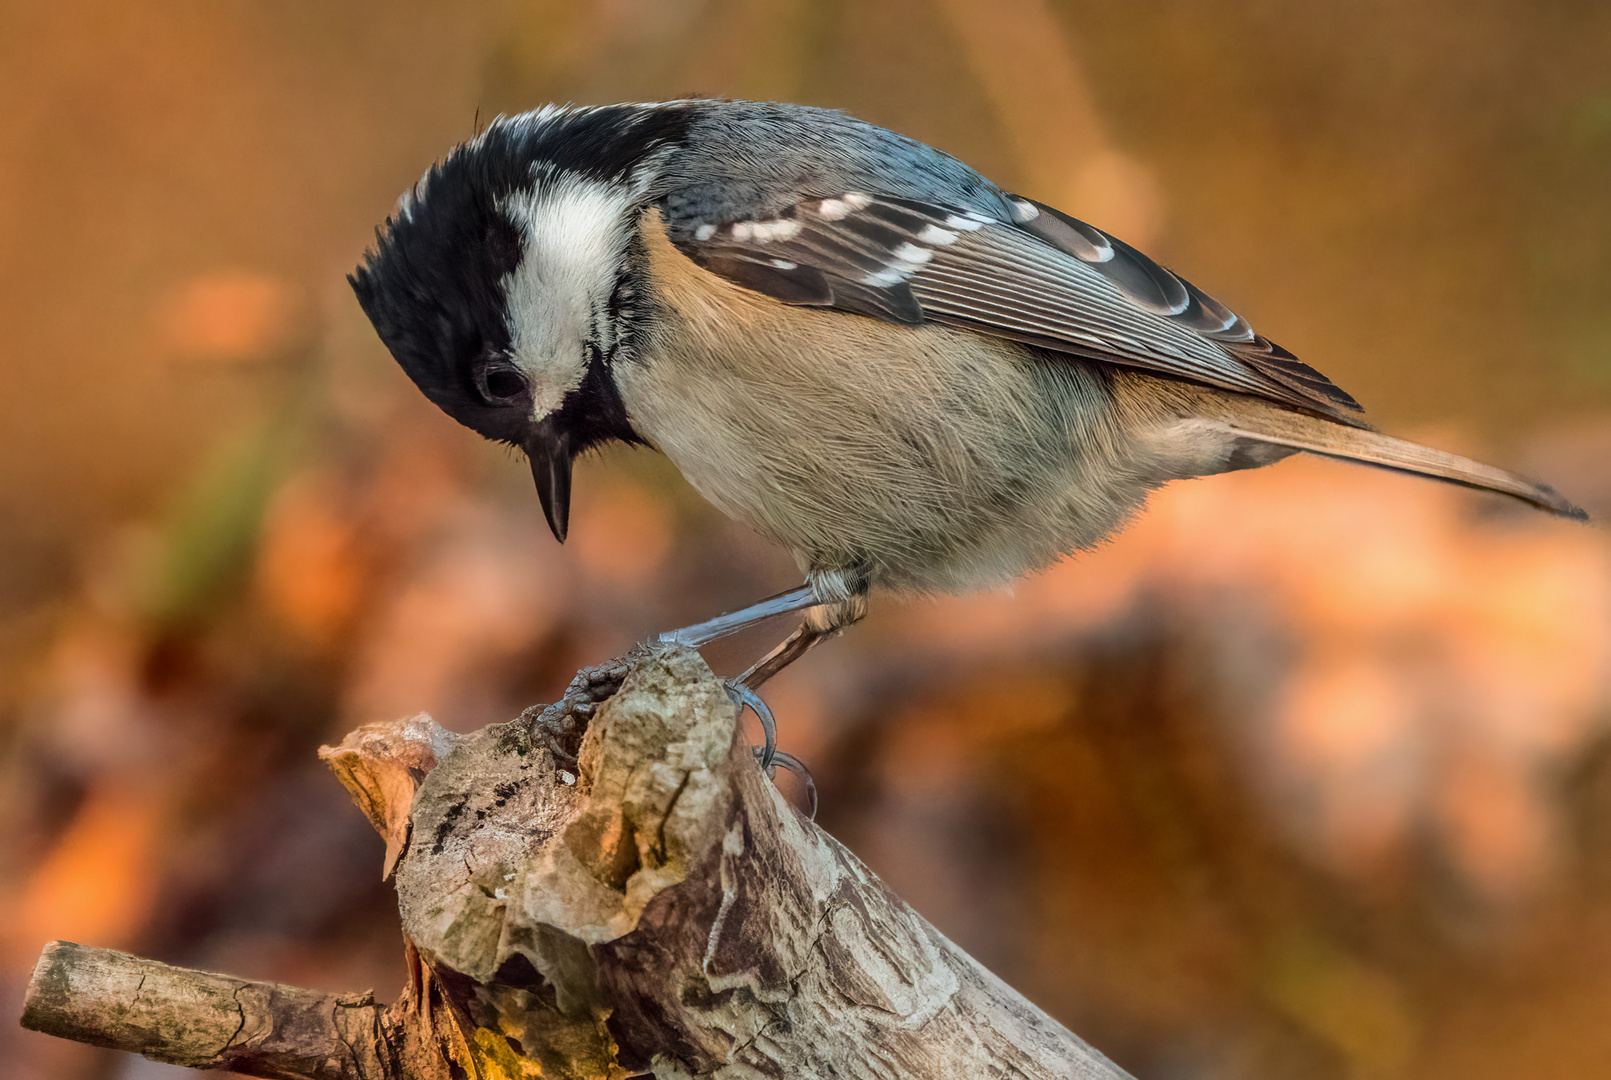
(1250, 418)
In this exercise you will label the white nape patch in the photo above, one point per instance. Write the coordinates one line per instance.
(704, 231)
(969, 221)
(575, 236)
(933, 234)
(1024, 210)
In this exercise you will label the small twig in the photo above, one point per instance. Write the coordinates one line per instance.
(206, 1021)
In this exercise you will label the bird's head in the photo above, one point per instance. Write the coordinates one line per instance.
(506, 284)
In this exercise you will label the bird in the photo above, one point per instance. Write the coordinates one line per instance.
(913, 380)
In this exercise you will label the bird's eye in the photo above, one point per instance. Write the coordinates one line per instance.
(502, 385)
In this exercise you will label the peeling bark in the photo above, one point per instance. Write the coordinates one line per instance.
(605, 888)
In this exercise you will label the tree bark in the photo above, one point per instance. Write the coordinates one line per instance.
(202, 1020)
(604, 888)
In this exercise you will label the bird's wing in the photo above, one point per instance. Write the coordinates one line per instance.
(1042, 278)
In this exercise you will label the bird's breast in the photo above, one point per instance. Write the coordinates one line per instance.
(928, 458)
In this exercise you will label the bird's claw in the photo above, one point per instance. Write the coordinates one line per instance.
(798, 768)
(768, 754)
(742, 696)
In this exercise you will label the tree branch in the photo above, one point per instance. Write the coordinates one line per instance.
(205, 1021)
(605, 888)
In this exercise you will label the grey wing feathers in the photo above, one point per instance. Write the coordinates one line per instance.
(822, 252)
(1050, 281)
(1165, 293)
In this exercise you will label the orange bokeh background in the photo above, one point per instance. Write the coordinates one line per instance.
(1307, 774)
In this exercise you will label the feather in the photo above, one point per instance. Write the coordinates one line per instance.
(1051, 281)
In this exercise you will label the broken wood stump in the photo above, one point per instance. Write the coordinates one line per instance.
(605, 888)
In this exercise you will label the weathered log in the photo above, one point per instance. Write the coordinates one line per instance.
(611, 887)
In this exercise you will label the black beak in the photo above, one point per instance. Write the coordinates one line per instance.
(550, 452)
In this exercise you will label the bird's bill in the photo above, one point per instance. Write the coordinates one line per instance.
(549, 451)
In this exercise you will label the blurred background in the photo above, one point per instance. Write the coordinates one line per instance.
(1306, 775)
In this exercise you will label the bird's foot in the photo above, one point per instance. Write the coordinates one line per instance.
(742, 695)
(798, 768)
(768, 754)
(562, 724)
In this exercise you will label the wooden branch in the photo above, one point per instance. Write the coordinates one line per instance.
(205, 1021)
(610, 887)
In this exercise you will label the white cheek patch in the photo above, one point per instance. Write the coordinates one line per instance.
(575, 234)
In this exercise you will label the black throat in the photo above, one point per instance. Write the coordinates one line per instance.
(593, 413)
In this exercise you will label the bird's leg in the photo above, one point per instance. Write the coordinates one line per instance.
(785, 653)
(734, 622)
(821, 623)
(723, 625)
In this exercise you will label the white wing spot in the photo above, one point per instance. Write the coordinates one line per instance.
(890, 275)
(933, 234)
(783, 264)
(1024, 210)
(842, 207)
(778, 229)
(705, 231)
(1103, 253)
(968, 222)
(912, 255)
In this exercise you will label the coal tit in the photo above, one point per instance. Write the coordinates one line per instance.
(850, 341)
